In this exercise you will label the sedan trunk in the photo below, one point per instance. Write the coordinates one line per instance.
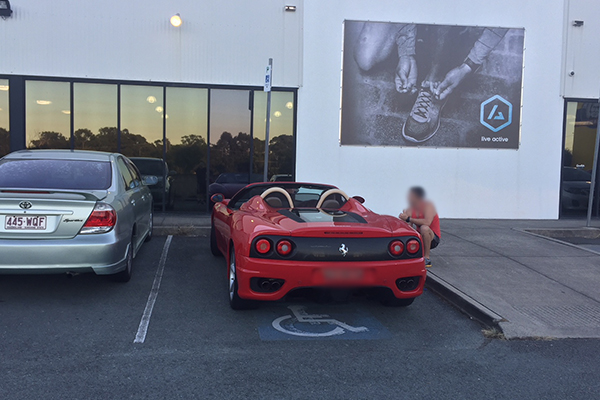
(48, 214)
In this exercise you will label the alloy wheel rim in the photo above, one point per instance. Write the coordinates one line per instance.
(231, 275)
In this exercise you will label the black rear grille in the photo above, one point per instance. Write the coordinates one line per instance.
(336, 249)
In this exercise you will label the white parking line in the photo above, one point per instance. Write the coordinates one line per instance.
(140, 337)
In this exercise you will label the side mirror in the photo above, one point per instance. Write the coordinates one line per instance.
(150, 180)
(217, 198)
(361, 200)
(172, 173)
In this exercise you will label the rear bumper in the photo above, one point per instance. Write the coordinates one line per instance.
(310, 274)
(103, 254)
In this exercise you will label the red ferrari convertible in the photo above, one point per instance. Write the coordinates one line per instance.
(281, 236)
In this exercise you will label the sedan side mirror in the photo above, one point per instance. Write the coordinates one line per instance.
(172, 173)
(150, 180)
(361, 200)
(217, 198)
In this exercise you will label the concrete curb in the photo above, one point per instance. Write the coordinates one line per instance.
(463, 302)
(193, 231)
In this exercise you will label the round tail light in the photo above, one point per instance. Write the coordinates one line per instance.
(413, 246)
(263, 246)
(284, 247)
(396, 248)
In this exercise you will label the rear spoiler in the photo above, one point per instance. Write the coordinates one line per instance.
(92, 195)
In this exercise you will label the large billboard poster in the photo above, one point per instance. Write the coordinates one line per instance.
(431, 85)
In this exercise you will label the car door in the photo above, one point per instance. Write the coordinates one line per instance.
(142, 201)
(130, 197)
(222, 220)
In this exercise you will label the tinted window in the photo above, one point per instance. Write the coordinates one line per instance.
(126, 173)
(149, 167)
(232, 178)
(134, 173)
(575, 174)
(55, 174)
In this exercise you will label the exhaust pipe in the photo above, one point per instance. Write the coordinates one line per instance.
(265, 285)
(275, 285)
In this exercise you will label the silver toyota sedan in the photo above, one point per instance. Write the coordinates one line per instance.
(67, 211)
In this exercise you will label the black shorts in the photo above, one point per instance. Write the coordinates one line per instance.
(435, 241)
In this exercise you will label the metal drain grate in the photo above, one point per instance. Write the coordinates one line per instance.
(573, 315)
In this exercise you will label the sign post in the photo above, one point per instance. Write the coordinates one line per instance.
(267, 88)
(594, 169)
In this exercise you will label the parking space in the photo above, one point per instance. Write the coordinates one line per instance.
(74, 338)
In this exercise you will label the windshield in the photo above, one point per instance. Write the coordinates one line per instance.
(303, 195)
(576, 174)
(328, 216)
(55, 174)
(149, 167)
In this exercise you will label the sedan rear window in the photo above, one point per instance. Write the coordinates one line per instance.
(55, 174)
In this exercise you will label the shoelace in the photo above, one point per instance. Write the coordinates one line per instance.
(423, 103)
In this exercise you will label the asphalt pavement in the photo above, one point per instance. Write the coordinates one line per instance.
(73, 338)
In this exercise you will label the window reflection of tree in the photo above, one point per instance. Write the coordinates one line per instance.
(4, 142)
(229, 154)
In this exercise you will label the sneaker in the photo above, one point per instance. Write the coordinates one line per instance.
(427, 263)
(424, 119)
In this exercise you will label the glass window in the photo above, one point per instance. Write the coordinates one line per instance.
(95, 117)
(47, 113)
(578, 157)
(187, 145)
(4, 119)
(149, 166)
(281, 135)
(134, 174)
(229, 132)
(125, 173)
(142, 121)
(55, 174)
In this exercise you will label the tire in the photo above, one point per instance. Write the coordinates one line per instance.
(150, 225)
(214, 249)
(125, 275)
(235, 301)
(388, 299)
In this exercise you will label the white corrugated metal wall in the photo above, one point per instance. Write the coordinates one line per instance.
(581, 75)
(220, 42)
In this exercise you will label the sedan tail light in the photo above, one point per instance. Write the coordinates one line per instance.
(263, 246)
(413, 246)
(396, 248)
(284, 247)
(102, 219)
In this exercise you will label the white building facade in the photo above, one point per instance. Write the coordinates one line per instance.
(121, 77)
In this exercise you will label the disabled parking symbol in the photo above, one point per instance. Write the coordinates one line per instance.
(298, 324)
(287, 324)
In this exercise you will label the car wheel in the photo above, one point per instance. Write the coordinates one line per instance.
(235, 301)
(388, 299)
(125, 275)
(214, 249)
(150, 227)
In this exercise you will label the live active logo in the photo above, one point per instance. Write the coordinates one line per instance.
(495, 114)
